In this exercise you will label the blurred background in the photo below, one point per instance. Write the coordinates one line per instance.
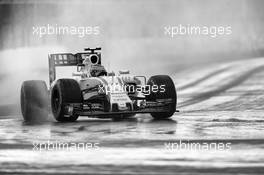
(131, 35)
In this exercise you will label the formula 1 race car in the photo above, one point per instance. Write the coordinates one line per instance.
(94, 92)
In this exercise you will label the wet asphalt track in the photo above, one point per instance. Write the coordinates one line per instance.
(218, 103)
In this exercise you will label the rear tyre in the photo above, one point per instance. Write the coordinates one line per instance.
(65, 91)
(34, 101)
(168, 93)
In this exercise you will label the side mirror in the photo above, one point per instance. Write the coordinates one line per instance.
(123, 72)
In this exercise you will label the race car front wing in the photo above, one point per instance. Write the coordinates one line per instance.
(148, 107)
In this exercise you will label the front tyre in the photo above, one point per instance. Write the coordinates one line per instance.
(65, 91)
(169, 93)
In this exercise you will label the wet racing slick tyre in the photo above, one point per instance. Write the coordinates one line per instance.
(34, 101)
(65, 91)
(169, 92)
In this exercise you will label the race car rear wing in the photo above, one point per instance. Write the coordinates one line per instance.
(69, 59)
(61, 59)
